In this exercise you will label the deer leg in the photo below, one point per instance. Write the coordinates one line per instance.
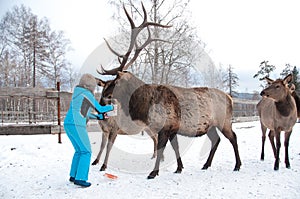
(103, 143)
(263, 140)
(215, 140)
(162, 142)
(286, 145)
(236, 152)
(154, 147)
(229, 134)
(154, 138)
(278, 144)
(111, 140)
(174, 142)
(271, 138)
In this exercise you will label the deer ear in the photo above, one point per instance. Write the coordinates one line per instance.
(269, 81)
(100, 82)
(292, 88)
(288, 79)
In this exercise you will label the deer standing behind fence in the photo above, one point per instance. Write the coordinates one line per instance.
(167, 110)
(278, 112)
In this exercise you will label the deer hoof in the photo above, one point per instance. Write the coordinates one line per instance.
(152, 175)
(103, 167)
(237, 166)
(276, 165)
(236, 169)
(95, 162)
(205, 167)
(178, 171)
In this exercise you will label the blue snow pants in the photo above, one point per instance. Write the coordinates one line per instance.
(78, 135)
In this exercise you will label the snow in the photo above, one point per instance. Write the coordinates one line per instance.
(36, 166)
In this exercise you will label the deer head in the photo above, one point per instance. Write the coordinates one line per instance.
(278, 89)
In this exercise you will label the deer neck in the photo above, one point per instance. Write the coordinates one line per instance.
(124, 93)
(285, 106)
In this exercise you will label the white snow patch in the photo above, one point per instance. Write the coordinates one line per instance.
(36, 166)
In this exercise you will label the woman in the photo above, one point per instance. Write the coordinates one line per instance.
(75, 123)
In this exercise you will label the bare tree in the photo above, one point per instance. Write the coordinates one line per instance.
(169, 62)
(37, 41)
(208, 74)
(57, 48)
(70, 77)
(15, 35)
(30, 52)
(8, 68)
(24, 35)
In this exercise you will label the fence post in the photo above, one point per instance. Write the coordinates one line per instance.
(2, 108)
(58, 111)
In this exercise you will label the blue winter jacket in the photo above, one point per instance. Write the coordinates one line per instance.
(81, 105)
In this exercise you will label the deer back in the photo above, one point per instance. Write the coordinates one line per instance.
(190, 111)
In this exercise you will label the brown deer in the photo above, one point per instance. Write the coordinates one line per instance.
(271, 133)
(167, 110)
(110, 126)
(278, 112)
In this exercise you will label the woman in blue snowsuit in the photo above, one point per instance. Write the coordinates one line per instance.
(83, 101)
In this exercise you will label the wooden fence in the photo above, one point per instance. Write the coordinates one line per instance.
(35, 110)
(28, 105)
(244, 110)
(31, 110)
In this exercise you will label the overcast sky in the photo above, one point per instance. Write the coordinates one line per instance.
(237, 32)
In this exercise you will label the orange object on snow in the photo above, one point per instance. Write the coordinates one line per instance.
(110, 176)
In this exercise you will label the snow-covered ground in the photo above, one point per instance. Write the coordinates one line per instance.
(36, 166)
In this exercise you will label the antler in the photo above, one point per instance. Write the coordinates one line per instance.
(123, 59)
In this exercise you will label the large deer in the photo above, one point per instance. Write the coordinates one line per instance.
(110, 125)
(167, 110)
(278, 112)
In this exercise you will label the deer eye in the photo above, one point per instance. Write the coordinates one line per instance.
(277, 86)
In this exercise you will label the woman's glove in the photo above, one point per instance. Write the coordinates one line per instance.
(100, 116)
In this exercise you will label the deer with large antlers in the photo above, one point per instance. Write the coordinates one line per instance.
(167, 110)
(110, 125)
(278, 112)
